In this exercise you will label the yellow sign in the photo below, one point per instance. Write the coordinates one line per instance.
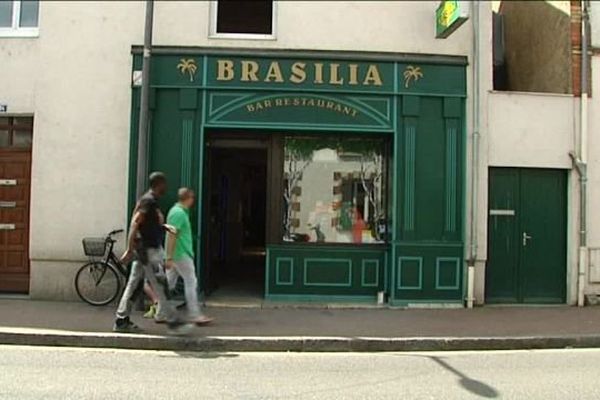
(299, 72)
(188, 66)
(334, 106)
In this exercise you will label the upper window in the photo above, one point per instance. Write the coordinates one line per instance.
(243, 19)
(16, 132)
(19, 17)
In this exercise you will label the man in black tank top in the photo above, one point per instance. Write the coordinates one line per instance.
(146, 238)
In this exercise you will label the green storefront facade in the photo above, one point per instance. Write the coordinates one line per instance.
(397, 228)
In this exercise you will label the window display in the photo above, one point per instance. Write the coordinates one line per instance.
(334, 190)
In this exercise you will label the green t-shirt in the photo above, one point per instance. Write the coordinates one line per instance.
(179, 218)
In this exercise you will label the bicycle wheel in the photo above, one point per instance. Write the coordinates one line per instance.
(97, 283)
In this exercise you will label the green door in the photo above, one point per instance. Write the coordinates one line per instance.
(526, 236)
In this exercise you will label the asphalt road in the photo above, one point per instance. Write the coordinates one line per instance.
(68, 373)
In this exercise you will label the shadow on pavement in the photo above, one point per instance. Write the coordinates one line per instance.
(472, 385)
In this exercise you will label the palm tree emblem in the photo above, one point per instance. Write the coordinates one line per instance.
(188, 66)
(412, 73)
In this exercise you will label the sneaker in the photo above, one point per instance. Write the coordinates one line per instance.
(202, 320)
(179, 328)
(151, 313)
(124, 325)
(160, 319)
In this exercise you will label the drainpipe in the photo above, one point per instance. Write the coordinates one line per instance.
(142, 151)
(580, 162)
(474, 162)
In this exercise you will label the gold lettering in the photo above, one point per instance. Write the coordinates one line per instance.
(311, 102)
(333, 75)
(225, 70)
(320, 103)
(372, 76)
(354, 112)
(267, 103)
(338, 107)
(330, 104)
(274, 73)
(296, 101)
(249, 107)
(259, 106)
(286, 101)
(304, 101)
(347, 110)
(249, 71)
(298, 72)
(318, 73)
(278, 102)
(353, 80)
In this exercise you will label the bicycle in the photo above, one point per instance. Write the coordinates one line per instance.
(99, 282)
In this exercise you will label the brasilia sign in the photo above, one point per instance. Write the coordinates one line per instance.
(450, 15)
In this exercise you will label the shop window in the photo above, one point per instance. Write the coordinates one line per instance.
(16, 132)
(243, 19)
(334, 190)
(19, 18)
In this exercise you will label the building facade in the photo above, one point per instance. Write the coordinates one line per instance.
(338, 150)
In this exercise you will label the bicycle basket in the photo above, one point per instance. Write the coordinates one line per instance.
(94, 247)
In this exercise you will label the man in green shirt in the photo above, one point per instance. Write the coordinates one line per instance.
(180, 254)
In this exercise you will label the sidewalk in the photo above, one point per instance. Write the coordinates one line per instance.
(309, 329)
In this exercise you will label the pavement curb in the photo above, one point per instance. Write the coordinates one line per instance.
(14, 336)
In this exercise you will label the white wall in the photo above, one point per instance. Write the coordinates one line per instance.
(595, 22)
(530, 130)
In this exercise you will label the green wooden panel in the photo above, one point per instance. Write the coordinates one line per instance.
(439, 79)
(299, 73)
(501, 282)
(320, 271)
(531, 268)
(452, 179)
(312, 270)
(174, 141)
(133, 144)
(410, 273)
(369, 272)
(447, 273)
(430, 172)
(284, 271)
(299, 111)
(543, 218)
(428, 272)
(188, 99)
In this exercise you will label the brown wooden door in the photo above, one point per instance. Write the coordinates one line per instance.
(15, 183)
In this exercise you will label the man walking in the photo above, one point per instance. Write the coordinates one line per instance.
(146, 236)
(180, 254)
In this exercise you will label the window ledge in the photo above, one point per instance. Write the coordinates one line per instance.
(19, 33)
(242, 36)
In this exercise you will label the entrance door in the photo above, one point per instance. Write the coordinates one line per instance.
(526, 236)
(236, 218)
(15, 174)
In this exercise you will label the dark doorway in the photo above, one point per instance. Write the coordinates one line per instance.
(236, 219)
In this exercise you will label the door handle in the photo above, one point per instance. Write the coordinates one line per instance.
(526, 237)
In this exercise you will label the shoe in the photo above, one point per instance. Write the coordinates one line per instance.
(202, 320)
(124, 325)
(160, 319)
(151, 313)
(179, 328)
